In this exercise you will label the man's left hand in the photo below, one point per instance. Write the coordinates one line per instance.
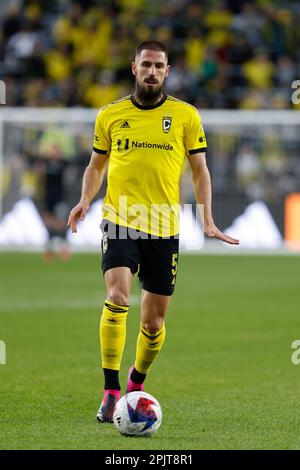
(213, 232)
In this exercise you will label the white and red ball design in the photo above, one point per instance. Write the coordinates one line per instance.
(137, 414)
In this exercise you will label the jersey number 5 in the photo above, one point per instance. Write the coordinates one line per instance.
(174, 264)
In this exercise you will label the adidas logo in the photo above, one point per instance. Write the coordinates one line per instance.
(125, 125)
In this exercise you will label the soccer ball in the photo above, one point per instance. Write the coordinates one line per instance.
(137, 414)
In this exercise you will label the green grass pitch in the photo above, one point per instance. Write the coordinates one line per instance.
(224, 378)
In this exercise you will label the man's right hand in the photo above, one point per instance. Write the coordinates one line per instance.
(77, 213)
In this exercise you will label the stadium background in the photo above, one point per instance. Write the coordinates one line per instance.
(236, 62)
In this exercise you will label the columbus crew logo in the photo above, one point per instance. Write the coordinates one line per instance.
(166, 124)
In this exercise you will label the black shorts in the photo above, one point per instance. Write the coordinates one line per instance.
(155, 259)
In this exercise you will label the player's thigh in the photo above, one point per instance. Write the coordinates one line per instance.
(153, 310)
(158, 267)
(118, 285)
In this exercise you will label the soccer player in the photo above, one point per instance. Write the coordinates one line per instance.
(50, 172)
(144, 138)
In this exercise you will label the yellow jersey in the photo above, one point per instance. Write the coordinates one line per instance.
(147, 147)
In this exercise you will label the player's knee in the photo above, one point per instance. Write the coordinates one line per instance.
(118, 297)
(154, 325)
(151, 329)
(153, 320)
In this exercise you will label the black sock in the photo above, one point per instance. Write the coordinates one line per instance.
(111, 379)
(137, 377)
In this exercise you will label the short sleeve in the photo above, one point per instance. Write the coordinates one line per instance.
(101, 136)
(194, 139)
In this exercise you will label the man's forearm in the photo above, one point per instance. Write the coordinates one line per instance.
(91, 183)
(202, 190)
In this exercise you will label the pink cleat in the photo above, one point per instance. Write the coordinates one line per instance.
(132, 386)
(108, 406)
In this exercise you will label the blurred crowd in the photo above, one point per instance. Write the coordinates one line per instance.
(224, 54)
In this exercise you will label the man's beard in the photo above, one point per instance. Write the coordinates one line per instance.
(147, 96)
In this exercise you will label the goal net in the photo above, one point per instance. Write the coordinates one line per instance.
(253, 158)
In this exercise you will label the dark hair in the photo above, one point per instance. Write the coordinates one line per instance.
(152, 46)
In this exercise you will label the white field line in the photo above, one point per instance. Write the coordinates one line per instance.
(33, 305)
